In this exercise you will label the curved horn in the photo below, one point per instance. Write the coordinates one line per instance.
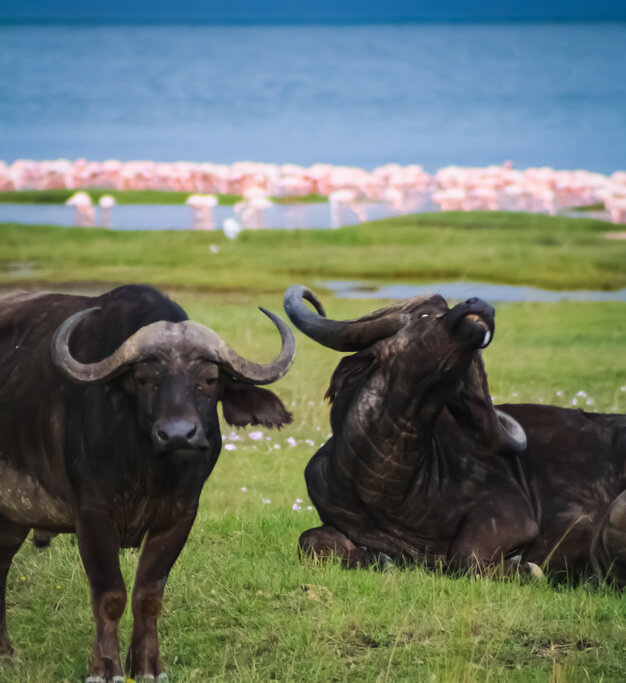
(164, 335)
(240, 367)
(514, 433)
(87, 373)
(145, 341)
(341, 335)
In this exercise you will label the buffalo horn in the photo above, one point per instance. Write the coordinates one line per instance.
(341, 335)
(164, 336)
(514, 433)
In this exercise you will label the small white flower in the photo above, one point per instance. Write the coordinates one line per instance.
(268, 438)
(311, 403)
(292, 442)
(514, 394)
(295, 506)
(559, 393)
(622, 388)
(244, 489)
(309, 507)
(276, 447)
(589, 401)
(298, 500)
(574, 401)
(267, 501)
(229, 447)
(581, 393)
(213, 248)
(233, 437)
(255, 436)
(311, 443)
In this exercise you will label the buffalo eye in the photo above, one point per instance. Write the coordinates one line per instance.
(148, 383)
(424, 315)
(207, 382)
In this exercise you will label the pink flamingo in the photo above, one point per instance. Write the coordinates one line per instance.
(202, 206)
(85, 213)
(106, 203)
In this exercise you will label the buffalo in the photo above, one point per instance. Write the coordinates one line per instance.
(421, 466)
(109, 429)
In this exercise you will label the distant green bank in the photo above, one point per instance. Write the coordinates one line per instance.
(61, 195)
(501, 247)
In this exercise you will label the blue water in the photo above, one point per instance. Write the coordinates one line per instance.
(552, 94)
(160, 217)
(460, 291)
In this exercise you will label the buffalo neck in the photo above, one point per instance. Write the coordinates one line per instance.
(385, 437)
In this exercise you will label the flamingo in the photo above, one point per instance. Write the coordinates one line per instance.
(106, 202)
(202, 206)
(85, 213)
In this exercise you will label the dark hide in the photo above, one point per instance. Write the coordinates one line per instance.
(575, 467)
(418, 467)
(82, 458)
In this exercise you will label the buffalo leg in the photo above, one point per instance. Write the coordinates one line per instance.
(41, 539)
(157, 558)
(99, 549)
(12, 536)
(327, 542)
(608, 547)
(482, 542)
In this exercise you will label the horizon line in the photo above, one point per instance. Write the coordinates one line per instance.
(118, 21)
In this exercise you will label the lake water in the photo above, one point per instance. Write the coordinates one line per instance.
(166, 217)
(538, 94)
(461, 291)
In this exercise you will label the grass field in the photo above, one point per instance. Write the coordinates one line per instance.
(515, 248)
(239, 605)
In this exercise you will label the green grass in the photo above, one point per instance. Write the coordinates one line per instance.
(240, 605)
(551, 252)
(598, 206)
(61, 195)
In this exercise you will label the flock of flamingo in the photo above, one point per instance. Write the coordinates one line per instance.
(404, 189)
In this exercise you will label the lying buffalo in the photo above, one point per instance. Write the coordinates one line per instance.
(421, 466)
(109, 428)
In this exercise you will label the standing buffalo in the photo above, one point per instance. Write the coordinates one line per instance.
(109, 429)
(421, 466)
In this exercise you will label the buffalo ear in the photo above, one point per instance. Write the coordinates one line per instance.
(244, 404)
(349, 370)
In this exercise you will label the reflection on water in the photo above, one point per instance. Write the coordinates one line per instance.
(167, 217)
(160, 217)
(460, 291)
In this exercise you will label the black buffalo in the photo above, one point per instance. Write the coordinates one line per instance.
(422, 466)
(109, 429)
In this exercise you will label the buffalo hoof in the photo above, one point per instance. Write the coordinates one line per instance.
(528, 569)
(41, 539)
(99, 679)
(6, 649)
(534, 571)
(149, 678)
(385, 562)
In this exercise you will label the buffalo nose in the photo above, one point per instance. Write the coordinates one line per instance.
(178, 434)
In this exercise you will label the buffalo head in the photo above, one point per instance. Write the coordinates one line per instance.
(177, 372)
(419, 355)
